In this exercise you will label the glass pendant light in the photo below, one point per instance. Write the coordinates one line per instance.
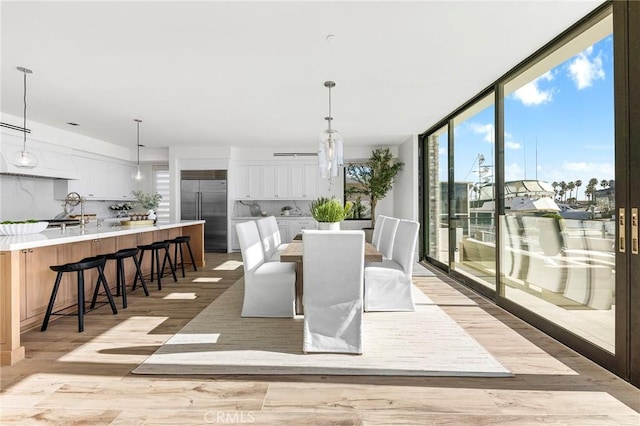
(330, 145)
(138, 175)
(24, 159)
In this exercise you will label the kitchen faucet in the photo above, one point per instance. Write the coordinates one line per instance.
(73, 199)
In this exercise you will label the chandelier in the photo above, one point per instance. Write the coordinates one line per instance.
(24, 159)
(330, 150)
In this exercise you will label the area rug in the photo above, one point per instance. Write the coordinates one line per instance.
(426, 342)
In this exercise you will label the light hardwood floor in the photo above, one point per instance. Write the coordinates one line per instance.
(84, 378)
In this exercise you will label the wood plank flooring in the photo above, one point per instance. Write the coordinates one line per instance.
(84, 378)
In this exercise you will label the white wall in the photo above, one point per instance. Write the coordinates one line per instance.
(406, 184)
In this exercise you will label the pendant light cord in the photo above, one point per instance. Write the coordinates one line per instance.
(330, 118)
(138, 144)
(24, 113)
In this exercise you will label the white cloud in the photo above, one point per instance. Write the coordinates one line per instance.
(484, 129)
(583, 70)
(512, 145)
(442, 151)
(513, 172)
(607, 169)
(532, 94)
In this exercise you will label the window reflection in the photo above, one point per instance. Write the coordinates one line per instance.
(558, 233)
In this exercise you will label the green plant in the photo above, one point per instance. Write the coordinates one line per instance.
(147, 201)
(375, 177)
(329, 210)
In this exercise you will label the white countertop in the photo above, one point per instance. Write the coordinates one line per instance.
(55, 236)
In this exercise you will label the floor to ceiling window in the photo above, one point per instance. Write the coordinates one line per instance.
(558, 259)
(529, 192)
(473, 198)
(437, 201)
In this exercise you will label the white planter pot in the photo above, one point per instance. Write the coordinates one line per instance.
(328, 226)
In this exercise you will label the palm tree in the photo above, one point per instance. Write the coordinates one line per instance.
(570, 187)
(591, 187)
(604, 183)
(563, 187)
(555, 185)
(578, 185)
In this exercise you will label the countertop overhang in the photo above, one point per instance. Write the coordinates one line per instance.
(55, 236)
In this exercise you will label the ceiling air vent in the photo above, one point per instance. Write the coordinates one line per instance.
(295, 154)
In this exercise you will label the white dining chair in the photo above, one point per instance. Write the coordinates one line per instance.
(269, 287)
(387, 235)
(270, 238)
(387, 284)
(375, 238)
(333, 264)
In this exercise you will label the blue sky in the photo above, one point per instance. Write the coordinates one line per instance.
(567, 112)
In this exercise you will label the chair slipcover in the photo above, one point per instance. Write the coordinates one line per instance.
(388, 284)
(387, 235)
(270, 237)
(333, 263)
(269, 288)
(375, 238)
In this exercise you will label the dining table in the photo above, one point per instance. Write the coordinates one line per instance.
(294, 253)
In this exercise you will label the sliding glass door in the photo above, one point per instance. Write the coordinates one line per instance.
(529, 190)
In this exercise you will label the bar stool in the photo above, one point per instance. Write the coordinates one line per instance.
(121, 281)
(178, 242)
(155, 248)
(79, 267)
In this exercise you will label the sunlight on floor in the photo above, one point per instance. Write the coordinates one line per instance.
(229, 265)
(180, 296)
(134, 332)
(181, 339)
(206, 280)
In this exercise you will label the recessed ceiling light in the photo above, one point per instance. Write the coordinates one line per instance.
(71, 123)
(331, 38)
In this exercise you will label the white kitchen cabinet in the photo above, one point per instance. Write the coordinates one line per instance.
(297, 225)
(99, 180)
(310, 182)
(283, 227)
(291, 227)
(276, 182)
(247, 182)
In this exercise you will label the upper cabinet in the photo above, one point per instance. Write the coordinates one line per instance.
(100, 179)
(276, 181)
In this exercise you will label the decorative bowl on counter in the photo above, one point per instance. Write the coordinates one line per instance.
(23, 228)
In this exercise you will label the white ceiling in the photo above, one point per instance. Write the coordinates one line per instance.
(252, 73)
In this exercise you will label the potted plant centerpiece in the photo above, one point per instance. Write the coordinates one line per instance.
(374, 179)
(148, 202)
(329, 212)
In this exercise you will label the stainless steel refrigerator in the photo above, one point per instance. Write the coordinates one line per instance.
(203, 196)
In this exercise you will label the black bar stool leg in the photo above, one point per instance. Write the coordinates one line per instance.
(139, 273)
(175, 257)
(157, 259)
(80, 301)
(52, 300)
(120, 279)
(173, 269)
(193, 261)
(106, 290)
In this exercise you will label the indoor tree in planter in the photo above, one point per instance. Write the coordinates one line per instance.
(329, 212)
(375, 177)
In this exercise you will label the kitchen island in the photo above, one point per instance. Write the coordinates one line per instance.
(26, 280)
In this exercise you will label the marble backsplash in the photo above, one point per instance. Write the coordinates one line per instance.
(23, 198)
(271, 207)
